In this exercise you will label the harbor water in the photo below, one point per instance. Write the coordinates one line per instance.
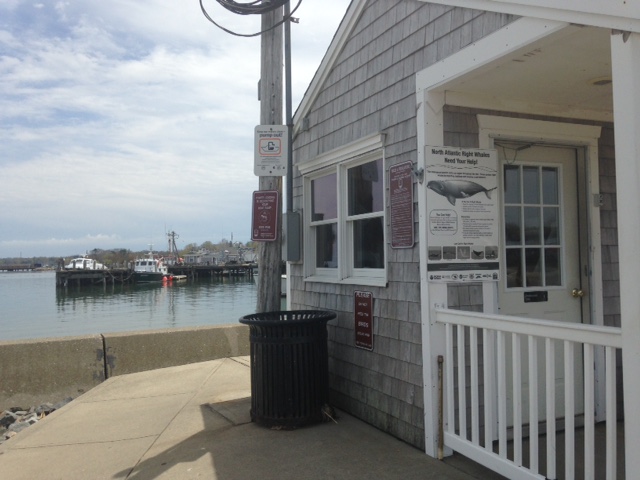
(32, 307)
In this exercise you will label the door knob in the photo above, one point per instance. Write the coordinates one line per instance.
(577, 293)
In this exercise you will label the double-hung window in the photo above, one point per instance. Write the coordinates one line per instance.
(345, 219)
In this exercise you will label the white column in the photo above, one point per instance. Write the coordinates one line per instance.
(430, 132)
(625, 63)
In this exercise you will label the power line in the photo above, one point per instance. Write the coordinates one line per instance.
(257, 7)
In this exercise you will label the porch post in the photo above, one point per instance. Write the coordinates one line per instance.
(430, 132)
(625, 63)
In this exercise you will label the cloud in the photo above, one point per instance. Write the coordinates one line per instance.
(121, 119)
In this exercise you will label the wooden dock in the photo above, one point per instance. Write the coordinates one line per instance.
(17, 268)
(113, 276)
(207, 271)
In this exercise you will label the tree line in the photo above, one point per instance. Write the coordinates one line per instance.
(122, 256)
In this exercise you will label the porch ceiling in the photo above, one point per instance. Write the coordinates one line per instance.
(554, 76)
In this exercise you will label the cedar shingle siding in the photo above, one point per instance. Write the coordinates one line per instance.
(371, 88)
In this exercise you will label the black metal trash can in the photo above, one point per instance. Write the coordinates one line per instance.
(289, 367)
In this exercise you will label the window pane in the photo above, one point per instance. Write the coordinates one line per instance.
(533, 266)
(327, 245)
(553, 274)
(550, 185)
(514, 267)
(513, 225)
(324, 198)
(531, 185)
(365, 188)
(532, 226)
(511, 184)
(368, 243)
(551, 219)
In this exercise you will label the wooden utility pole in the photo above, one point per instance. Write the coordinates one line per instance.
(270, 253)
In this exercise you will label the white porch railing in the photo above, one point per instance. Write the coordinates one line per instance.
(485, 393)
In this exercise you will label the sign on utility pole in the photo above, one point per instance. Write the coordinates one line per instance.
(270, 252)
(271, 149)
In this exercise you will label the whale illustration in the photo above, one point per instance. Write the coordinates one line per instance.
(454, 189)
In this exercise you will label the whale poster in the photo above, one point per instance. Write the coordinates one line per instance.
(463, 214)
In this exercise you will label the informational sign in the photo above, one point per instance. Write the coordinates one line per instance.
(363, 317)
(463, 214)
(271, 150)
(264, 216)
(401, 202)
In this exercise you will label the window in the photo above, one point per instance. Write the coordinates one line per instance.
(324, 220)
(532, 226)
(365, 214)
(346, 225)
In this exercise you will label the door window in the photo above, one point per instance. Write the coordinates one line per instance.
(532, 226)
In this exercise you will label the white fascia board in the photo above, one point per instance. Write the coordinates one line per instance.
(337, 44)
(495, 126)
(616, 14)
(461, 99)
(487, 50)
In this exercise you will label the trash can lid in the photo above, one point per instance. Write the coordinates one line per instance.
(294, 316)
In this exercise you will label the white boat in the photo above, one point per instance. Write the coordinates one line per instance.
(150, 269)
(84, 263)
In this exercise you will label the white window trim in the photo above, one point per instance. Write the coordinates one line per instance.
(339, 161)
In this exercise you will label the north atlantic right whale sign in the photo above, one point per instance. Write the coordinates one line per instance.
(463, 214)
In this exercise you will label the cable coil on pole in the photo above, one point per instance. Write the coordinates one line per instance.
(256, 7)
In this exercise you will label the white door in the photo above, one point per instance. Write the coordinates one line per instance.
(541, 272)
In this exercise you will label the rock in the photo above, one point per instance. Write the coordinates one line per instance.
(45, 408)
(31, 418)
(18, 427)
(7, 418)
(62, 403)
(16, 419)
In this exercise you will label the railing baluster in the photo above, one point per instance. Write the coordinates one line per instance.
(516, 362)
(569, 412)
(475, 404)
(589, 414)
(502, 396)
(450, 404)
(550, 382)
(462, 384)
(488, 378)
(533, 404)
(610, 361)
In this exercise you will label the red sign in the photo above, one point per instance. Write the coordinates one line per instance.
(401, 203)
(363, 316)
(264, 218)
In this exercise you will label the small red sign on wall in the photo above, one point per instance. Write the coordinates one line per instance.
(363, 317)
(401, 202)
(264, 218)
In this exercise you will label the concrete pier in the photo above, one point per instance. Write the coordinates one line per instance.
(49, 369)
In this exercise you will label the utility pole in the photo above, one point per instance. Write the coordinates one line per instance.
(270, 253)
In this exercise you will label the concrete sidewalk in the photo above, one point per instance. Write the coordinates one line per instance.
(193, 421)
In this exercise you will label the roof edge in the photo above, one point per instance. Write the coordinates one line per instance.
(615, 14)
(337, 44)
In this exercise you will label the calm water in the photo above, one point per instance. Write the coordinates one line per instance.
(32, 307)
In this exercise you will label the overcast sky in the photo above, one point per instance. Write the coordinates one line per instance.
(121, 120)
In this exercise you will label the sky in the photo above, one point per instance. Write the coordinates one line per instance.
(123, 120)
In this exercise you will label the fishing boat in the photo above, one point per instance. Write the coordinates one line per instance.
(84, 263)
(150, 269)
